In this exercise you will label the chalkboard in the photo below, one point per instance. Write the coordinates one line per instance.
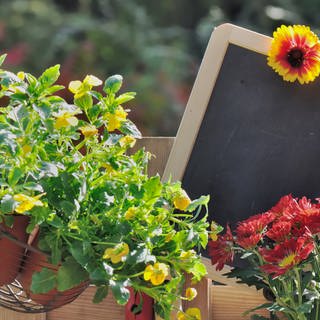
(247, 137)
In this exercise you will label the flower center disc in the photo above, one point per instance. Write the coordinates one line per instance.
(295, 58)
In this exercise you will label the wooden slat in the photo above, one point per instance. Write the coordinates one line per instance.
(6, 314)
(229, 302)
(83, 309)
(160, 148)
(202, 300)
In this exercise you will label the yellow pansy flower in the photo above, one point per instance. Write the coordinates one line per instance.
(26, 203)
(66, 119)
(115, 119)
(117, 253)
(89, 131)
(79, 88)
(156, 273)
(181, 201)
(191, 293)
(190, 314)
(130, 213)
(127, 141)
(187, 255)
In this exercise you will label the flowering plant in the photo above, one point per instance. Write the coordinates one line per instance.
(295, 53)
(101, 217)
(281, 249)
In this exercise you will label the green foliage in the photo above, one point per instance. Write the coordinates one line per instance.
(101, 217)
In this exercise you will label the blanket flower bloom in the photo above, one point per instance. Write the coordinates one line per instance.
(295, 53)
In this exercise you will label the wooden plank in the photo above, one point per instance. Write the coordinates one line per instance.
(83, 309)
(6, 314)
(229, 302)
(160, 148)
(202, 300)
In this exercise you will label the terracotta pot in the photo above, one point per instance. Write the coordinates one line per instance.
(11, 253)
(146, 313)
(34, 262)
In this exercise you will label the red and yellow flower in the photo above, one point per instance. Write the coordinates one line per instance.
(286, 255)
(295, 53)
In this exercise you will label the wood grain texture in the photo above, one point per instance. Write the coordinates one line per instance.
(229, 302)
(6, 314)
(83, 309)
(203, 298)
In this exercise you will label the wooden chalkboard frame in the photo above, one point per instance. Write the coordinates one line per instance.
(221, 38)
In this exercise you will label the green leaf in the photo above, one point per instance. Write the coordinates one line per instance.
(9, 220)
(100, 294)
(120, 291)
(152, 189)
(70, 274)
(43, 281)
(14, 176)
(123, 98)
(7, 204)
(48, 169)
(259, 307)
(85, 102)
(50, 76)
(113, 84)
(2, 58)
(129, 128)
(202, 201)
(82, 252)
(33, 186)
(54, 89)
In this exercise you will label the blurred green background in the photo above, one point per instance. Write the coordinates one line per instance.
(156, 45)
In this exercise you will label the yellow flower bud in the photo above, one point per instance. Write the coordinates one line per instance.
(181, 201)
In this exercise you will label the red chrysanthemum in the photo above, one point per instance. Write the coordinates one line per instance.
(286, 255)
(221, 251)
(295, 53)
(249, 232)
(280, 231)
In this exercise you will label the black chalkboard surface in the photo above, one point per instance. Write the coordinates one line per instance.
(247, 137)
(259, 140)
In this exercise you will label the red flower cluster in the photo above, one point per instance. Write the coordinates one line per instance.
(282, 236)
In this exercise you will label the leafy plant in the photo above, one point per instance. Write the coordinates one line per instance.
(99, 214)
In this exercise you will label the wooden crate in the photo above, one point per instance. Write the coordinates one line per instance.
(217, 302)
